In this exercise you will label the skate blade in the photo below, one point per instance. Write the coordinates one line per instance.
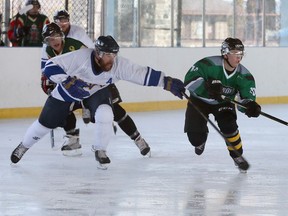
(242, 171)
(102, 166)
(148, 154)
(72, 153)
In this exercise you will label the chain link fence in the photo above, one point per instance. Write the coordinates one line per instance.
(82, 12)
(170, 23)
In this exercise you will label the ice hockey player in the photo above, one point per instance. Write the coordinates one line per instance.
(62, 19)
(75, 39)
(84, 75)
(207, 80)
(55, 44)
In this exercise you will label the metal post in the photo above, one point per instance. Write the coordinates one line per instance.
(5, 19)
(172, 23)
(90, 19)
(203, 23)
(135, 23)
(264, 23)
(67, 5)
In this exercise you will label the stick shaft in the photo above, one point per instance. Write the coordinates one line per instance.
(52, 138)
(262, 113)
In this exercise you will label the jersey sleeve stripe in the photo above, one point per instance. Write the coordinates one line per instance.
(52, 69)
(152, 77)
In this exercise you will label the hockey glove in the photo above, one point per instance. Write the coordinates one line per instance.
(175, 86)
(75, 87)
(19, 32)
(46, 84)
(253, 109)
(214, 89)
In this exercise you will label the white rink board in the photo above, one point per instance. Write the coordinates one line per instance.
(20, 72)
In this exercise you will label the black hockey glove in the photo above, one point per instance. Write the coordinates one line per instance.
(253, 109)
(75, 87)
(214, 89)
(47, 85)
(175, 86)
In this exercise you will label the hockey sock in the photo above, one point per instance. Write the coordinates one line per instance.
(34, 133)
(125, 122)
(70, 122)
(103, 129)
(234, 139)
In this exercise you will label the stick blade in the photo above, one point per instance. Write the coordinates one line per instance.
(25, 9)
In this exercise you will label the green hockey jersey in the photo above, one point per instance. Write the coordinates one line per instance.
(70, 45)
(239, 83)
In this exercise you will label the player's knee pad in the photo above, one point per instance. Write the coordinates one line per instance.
(197, 138)
(104, 114)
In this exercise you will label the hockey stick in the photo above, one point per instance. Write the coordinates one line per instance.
(25, 9)
(262, 113)
(52, 140)
(217, 129)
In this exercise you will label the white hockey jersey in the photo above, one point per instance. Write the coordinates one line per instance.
(81, 64)
(78, 33)
(75, 32)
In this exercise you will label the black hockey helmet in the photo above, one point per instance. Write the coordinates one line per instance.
(32, 2)
(51, 29)
(107, 44)
(61, 14)
(231, 44)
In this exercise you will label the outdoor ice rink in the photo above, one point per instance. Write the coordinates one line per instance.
(173, 182)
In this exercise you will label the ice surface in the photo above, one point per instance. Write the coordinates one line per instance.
(174, 181)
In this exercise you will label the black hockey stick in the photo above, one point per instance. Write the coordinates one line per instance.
(217, 129)
(52, 131)
(262, 113)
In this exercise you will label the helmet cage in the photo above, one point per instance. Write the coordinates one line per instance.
(51, 30)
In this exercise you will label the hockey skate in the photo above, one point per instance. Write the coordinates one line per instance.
(200, 149)
(72, 147)
(18, 153)
(143, 146)
(242, 164)
(102, 159)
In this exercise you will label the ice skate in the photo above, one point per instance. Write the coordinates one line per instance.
(242, 164)
(72, 147)
(143, 146)
(200, 149)
(102, 159)
(18, 153)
